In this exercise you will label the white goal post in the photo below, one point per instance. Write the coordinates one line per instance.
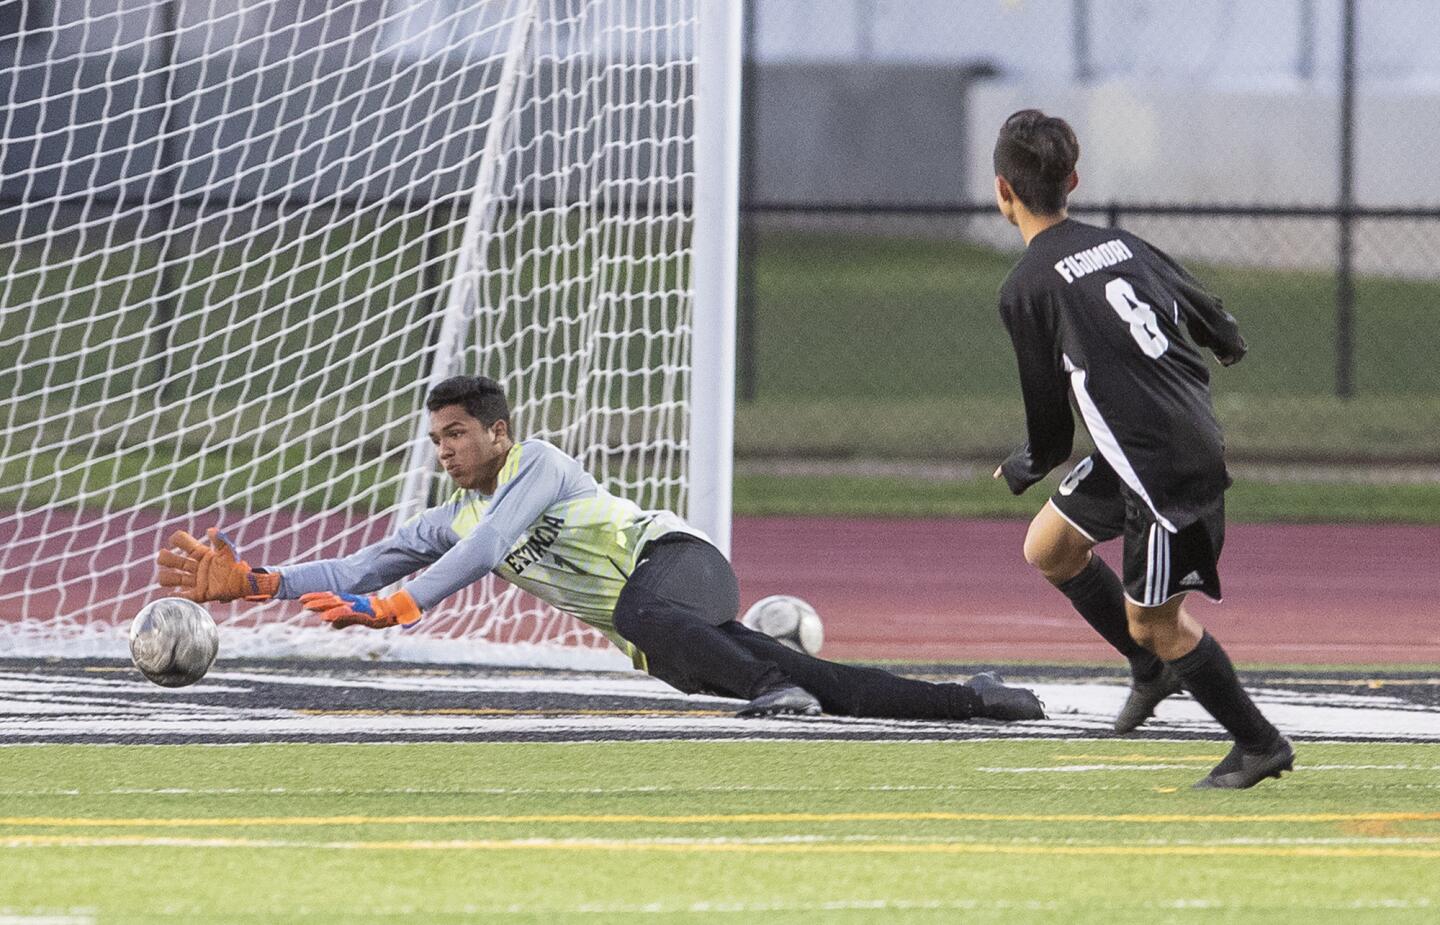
(242, 239)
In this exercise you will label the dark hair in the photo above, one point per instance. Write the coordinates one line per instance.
(1036, 154)
(481, 397)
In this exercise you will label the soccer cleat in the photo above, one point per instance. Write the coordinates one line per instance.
(1144, 697)
(789, 700)
(997, 701)
(1241, 769)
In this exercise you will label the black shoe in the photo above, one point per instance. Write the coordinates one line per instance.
(789, 700)
(1144, 697)
(1000, 702)
(1242, 769)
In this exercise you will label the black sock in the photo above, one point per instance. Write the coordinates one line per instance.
(1100, 598)
(1210, 678)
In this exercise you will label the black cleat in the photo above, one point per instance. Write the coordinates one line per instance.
(1242, 769)
(789, 700)
(1144, 697)
(997, 701)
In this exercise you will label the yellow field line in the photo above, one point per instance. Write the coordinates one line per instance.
(1273, 851)
(626, 818)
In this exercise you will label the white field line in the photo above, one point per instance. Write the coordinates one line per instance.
(724, 908)
(501, 844)
(858, 904)
(1080, 768)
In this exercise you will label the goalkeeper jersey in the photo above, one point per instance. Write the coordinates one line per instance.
(549, 528)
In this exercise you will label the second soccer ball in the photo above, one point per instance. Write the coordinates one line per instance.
(789, 620)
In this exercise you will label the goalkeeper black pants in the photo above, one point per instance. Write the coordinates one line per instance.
(679, 608)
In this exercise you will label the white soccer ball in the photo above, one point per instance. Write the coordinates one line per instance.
(173, 641)
(788, 620)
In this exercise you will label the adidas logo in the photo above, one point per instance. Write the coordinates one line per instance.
(1191, 580)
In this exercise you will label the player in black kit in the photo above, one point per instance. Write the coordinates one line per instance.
(1101, 314)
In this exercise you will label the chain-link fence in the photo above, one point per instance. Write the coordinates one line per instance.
(1278, 149)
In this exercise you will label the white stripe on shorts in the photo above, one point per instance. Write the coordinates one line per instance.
(1150, 568)
(1157, 577)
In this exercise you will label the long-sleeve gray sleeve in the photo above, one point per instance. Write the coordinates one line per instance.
(412, 547)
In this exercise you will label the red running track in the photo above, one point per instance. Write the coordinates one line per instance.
(932, 589)
(945, 589)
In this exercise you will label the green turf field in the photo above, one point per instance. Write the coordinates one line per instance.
(706, 831)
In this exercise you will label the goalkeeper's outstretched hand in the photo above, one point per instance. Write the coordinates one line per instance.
(378, 613)
(211, 571)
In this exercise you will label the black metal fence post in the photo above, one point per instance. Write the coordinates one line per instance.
(167, 187)
(1080, 34)
(745, 322)
(1345, 207)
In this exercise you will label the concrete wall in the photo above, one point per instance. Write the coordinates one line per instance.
(859, 133)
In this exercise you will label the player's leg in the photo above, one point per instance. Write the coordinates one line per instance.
(1088, 508)
(1159, 570)
(681, 591)
(851, 690)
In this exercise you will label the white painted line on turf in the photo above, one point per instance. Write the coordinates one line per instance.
(1129, 766)
(486, 791)
(800, 845)
(1079, 768)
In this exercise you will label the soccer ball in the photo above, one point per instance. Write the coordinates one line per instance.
(789, 620)
(173, 641)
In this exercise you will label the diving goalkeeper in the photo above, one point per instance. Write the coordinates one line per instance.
(649, 581)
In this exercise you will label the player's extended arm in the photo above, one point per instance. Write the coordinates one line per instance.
(1049, 426)
(538, 483)
(211, 571)
(418, 543)
(334, 588)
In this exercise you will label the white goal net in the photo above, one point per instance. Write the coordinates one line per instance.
(242, 237)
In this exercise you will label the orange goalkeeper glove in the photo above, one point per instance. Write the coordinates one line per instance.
(212, 572)
(378, 613)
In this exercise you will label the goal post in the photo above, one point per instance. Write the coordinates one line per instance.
(717, 232)
(241, 241)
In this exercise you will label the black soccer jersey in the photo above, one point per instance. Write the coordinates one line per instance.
(1102, 314)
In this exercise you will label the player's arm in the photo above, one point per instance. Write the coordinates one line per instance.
(1209, 324)
(212, 570)
(1049, 425)
(538, 483)
(418, 543)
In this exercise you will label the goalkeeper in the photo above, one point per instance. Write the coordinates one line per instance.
(651, 582)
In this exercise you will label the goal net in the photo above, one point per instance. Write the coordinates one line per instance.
(241, 240)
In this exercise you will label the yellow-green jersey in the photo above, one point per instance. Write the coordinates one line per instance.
(549, 528)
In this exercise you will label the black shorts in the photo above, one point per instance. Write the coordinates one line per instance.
(1158, 564)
